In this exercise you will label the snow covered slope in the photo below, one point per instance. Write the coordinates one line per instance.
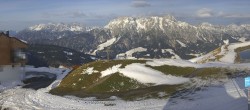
(145, 75)
(230, 55)
(58, 27)
(103, 45)
(226, 53)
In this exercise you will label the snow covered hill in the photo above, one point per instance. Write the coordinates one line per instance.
(166, 84)
(103, 79)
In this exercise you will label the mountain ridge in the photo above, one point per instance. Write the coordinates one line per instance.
(153, 33)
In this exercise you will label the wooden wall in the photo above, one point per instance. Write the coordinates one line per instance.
(7, 44)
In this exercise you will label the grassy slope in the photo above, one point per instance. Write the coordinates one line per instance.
(84, 85)
(214, 55)
(115, 83)
(77, 80)
(174, 70)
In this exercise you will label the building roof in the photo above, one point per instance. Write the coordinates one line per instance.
(6, 35)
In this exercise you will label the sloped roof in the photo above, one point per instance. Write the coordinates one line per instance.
(5, 35)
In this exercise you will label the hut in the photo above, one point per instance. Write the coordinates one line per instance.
(12, 57)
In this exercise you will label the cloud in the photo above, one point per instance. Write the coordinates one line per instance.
(235, 15)
(77, 14)
(205, 13)
(208, 13)
(140, 4)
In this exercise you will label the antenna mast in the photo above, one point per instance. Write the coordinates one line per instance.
(108, 52)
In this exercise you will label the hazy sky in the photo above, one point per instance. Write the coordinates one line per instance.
(19, 14)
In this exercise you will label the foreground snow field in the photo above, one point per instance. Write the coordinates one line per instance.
(26, 99)
(227, 96)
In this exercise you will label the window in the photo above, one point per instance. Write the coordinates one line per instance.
(18, 55)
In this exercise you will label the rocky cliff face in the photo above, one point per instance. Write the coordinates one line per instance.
(160, 36)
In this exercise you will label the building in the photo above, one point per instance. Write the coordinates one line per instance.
(12, 57)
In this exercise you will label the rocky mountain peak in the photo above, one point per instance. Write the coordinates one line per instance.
(139, 22)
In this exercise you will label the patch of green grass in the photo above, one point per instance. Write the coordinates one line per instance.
(174, 70)
(150, 92)
(115, 83)
(103, 65)
(132, 94)
(211, 73)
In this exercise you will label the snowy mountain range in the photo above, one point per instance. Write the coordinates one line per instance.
(155, 34)
(58, 27)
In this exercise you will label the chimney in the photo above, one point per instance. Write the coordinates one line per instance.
(8, 33)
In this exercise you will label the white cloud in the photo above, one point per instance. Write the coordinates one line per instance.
(205, 13)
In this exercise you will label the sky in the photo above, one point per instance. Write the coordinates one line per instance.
(20, 14)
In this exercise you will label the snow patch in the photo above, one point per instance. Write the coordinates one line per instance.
(10, 84)
(230, 55)
(140, 25)
(103, 45)
(111, 70)
(161, 24)
(138, 49)
(182, 44)
(226, 42)
(242, 39)
(68, 53)
(128, 54)
(145, 74)
(89, 71)
(171, 52)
